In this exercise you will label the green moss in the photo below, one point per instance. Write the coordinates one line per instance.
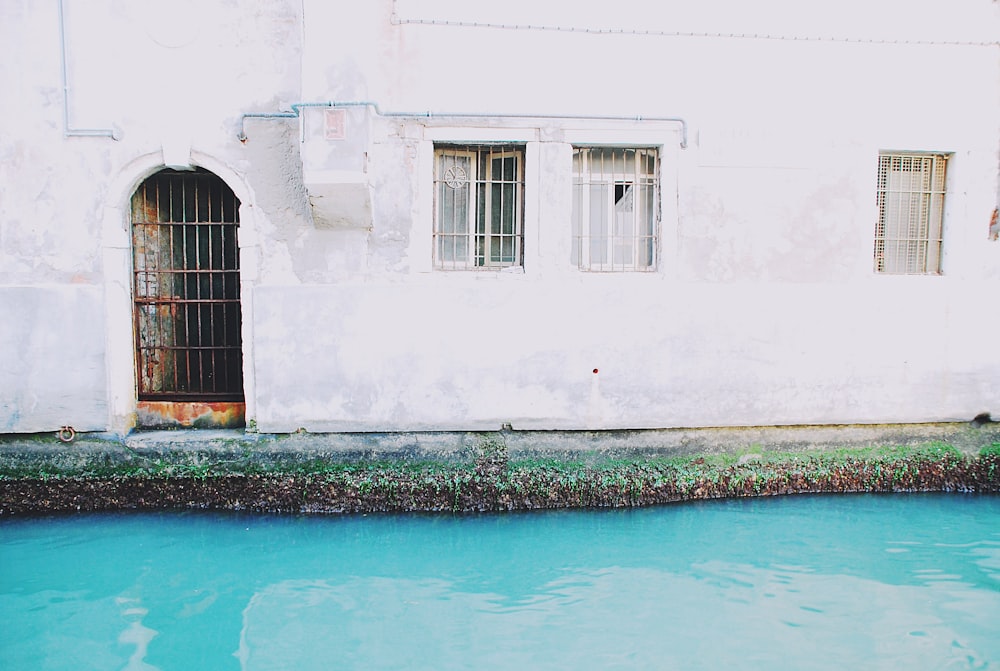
(992, 450)
(488, 460)
(487, 480)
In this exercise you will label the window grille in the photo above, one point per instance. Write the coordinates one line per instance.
(911, 190)
(187, 288)
(615, 208)
(479, 207)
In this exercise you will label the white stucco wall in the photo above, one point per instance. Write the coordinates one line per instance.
(763, 308)
(172, 88)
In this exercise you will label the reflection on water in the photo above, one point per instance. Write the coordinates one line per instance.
(860, 582)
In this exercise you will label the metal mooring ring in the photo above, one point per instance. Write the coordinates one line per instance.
(67, 434)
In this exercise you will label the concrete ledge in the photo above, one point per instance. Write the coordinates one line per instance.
(239, 449)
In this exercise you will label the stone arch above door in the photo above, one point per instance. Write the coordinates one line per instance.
(123, 387)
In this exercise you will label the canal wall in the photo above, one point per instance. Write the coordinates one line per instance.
(241, 451)
(485, 472)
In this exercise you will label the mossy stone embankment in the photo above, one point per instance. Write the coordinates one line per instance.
(484, 477)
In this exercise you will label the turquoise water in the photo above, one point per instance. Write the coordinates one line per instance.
(846, 582)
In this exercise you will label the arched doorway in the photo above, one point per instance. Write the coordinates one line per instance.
(186, 301)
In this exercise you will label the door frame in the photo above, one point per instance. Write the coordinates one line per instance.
(116, 249)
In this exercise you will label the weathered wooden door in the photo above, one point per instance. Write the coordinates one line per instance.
(186, 289)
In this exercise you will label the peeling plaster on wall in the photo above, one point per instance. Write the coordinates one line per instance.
(47, 328)
(272, 153)
(390, 239)
(61, 232)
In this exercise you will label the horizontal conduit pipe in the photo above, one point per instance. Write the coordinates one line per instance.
(297, 112)
(395, 20)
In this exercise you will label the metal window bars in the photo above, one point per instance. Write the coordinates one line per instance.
(186, 288)
(615, 209)
(479, 207)
(908, 234)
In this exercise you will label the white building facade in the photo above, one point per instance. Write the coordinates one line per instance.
(422, 215)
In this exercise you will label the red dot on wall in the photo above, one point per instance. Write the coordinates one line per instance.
(595, 371)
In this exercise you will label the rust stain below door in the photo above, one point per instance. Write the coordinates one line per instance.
(187, 414)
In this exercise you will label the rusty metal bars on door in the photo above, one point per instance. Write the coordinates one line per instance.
(187, 288)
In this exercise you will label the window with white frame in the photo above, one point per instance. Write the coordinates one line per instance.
(911, 188)
(478, 206)
(616, 208)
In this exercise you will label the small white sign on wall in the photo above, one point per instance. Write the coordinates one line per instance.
(335, 124)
